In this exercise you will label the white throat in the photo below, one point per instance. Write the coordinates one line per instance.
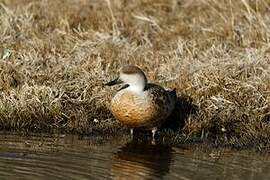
(136, 88)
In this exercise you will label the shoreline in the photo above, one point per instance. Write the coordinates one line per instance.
(165, 137)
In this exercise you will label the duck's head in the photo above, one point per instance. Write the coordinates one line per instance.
(130, 76)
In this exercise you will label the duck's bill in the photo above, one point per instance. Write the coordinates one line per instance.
(113, 82)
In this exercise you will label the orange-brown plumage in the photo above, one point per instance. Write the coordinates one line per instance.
(141, 111)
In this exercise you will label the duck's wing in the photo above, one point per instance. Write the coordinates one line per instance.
(163, 98)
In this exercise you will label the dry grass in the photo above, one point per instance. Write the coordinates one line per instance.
(55, 56)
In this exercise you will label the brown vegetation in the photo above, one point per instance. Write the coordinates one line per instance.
(56, 55)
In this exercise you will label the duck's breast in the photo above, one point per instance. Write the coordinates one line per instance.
(145, 109)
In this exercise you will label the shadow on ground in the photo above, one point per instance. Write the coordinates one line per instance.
(184, 107)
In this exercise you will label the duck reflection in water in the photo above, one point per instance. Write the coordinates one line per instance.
(140, 159)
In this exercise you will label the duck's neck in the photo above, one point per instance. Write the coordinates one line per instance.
(137, 87)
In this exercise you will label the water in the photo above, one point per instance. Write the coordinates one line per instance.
(72, 157)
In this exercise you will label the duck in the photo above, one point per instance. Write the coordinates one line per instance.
(139, 104)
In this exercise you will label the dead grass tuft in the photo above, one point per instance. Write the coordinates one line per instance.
(55, 56)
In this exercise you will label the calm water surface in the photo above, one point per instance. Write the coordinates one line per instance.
(73, 157)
